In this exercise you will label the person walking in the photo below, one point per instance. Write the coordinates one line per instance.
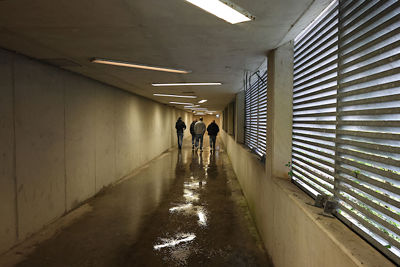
(192, 132)
(199, 129)
(212, 130)
(180, 126)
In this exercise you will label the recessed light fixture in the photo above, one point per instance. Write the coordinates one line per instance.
(202, 101)
(184, 84)
(191, 107)
(180, 103)
(135, 65)
(182, 96)
(224, 9)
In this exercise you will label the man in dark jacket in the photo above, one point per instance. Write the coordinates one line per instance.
(180, 126)
(213, 130)
(192, 132)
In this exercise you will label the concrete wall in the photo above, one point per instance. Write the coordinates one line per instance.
(240, 117)
(231, 120)
(294, 233)
(279, 110)
(64, 137)
(8, 218)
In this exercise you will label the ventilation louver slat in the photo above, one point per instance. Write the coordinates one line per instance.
(346, 116)
(368, 134)
(314, 105)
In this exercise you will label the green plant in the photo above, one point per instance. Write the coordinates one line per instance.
(356, 173)
(290, 172)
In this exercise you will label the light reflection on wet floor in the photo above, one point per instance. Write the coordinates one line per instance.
(192, 206)
(179, 249)
(177, 212)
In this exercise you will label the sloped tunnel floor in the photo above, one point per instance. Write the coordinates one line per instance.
(184, 208)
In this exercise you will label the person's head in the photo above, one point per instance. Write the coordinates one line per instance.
(179, 119)
(195, 120)
(213, 121)
(201, 118)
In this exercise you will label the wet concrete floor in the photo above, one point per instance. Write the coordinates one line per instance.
(184, 208)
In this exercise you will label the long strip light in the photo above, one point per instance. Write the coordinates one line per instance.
(202, 101)
(181, 103)
(223, 9)
(182, 96)
(199, 109)
(185, 84)
(135, 65)
(195, 108)
(191, 107)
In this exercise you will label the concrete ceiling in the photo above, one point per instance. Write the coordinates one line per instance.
(170, 33)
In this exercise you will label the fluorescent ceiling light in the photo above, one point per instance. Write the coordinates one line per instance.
(199, 108)
(182, 96)
(180, 103)
(190, 107)
(184, 84)
(202, 101)
(223, 9)
(134, 65)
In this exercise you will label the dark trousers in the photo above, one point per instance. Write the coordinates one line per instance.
(199, 138)
(180, 138)
(213, 139)
(193, 139)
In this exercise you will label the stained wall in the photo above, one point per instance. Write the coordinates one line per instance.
(64, 137)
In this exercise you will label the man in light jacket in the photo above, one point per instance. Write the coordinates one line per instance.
(199, 129)
(192, 132)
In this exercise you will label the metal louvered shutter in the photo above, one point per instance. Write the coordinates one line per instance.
(314, 104)
(368, 134)
(256, 114)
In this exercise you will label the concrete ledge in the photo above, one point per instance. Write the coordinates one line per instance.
(294, 233)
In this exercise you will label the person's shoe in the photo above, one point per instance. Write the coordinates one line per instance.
(201, 150)
(192, 147)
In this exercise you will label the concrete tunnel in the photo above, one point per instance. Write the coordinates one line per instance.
(305, 170)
